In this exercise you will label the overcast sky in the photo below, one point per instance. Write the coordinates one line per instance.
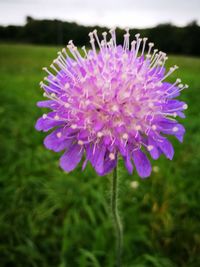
(123, 13)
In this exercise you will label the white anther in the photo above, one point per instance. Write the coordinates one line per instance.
(133, 42)
(66, 86)
(56, 117)
(151, 44)
(59, 134)
(151, 105)
(174, 114)
(178, 80)
(111, 156)
(99, 134)
(66, 105)
(125, 136)
(149, 148)
(180, 85)
(44, 116)
(45, 94)
(115, 108)
(138, 127)
(185, 106)
(73, 126)
(53, 95)
(80, 142)
(154, 127)
(175, 129)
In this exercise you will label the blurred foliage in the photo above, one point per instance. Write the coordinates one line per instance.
(167, 37)
(50, 218)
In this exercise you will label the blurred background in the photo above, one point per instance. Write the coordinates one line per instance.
(50, 218)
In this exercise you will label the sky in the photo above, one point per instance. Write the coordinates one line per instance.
(122, 13)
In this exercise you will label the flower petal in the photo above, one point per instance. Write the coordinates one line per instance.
(109, 164)
(128, 162)
(167, 148)
(55, 143)
(71, 158)
(46, 104)
(46, 124)
(155, 152)
(142, 164)
(96, 156)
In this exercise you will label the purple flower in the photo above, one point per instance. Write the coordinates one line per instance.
(111, 101)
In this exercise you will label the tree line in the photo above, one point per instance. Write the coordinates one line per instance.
(167, 37)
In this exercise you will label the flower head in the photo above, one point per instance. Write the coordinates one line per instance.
(111, 101)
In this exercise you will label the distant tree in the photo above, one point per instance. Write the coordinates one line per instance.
(169, 38)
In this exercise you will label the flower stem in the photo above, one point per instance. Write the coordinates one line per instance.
(116, 218)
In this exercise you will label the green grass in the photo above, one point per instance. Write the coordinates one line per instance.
(50, 218)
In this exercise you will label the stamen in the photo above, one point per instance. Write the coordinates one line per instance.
(74, 126)
(171, 70)
(139, 40)
(59, 134)
(80, 142)
(149, 51)
(144, 44)
(111, 156)
(97, 38)
(125, 136)
(56, 70)
(149, 147)
(138, 127)
(113, 35)
(99, 134)
(44, 86)
(84, 50)
(50, 73)
(56, 117)
(175, 129)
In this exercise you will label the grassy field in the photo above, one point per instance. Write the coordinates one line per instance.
(49, 218)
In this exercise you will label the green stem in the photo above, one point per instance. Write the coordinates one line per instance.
(116, 218)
